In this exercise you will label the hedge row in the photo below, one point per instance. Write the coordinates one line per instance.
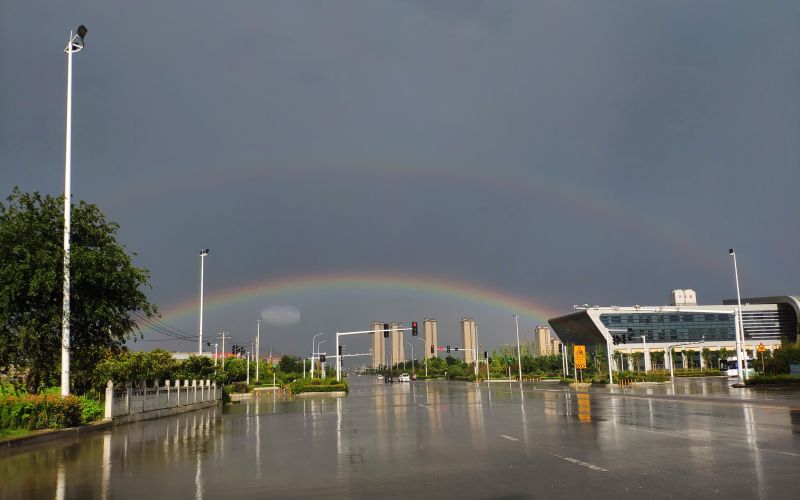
(773, 379)
(34, 412)
(316, 385)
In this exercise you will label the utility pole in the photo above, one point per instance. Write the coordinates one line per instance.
(224, 336)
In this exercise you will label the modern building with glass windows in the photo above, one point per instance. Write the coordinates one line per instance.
(687, 328)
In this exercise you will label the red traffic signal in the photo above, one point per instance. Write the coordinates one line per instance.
(414, 328)
(433, 347)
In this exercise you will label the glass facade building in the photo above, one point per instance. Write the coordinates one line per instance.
(677, 327)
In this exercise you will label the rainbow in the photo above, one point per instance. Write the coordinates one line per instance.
(419, 285)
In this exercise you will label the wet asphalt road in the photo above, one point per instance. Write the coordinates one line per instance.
(698, 439)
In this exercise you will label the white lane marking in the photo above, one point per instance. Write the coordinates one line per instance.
(583, 464)
(509, 437)
(732, 444)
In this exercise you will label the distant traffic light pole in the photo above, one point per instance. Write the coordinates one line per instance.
(74, 45)
(413, 329)
(313, 350)
(426, 360)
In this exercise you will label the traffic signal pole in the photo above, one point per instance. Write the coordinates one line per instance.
(413, 329)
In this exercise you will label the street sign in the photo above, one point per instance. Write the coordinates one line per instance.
(579, 352)
(761, 348)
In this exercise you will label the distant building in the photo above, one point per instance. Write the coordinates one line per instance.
(468, 339)
(431, 338)
(378, 345)
(766, 320)
(398, 347)
(555, 346)
(683, 297)
(542, 343)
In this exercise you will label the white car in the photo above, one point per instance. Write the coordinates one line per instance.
(404, 377)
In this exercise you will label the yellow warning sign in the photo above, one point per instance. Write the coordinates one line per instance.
(761, 348)
(579, 352)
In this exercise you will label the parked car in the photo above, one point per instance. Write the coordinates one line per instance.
(404, 377)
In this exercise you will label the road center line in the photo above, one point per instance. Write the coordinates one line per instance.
(509, 437)
(582, 464)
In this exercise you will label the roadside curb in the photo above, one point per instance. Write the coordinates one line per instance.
(332, 394)
(46, 435)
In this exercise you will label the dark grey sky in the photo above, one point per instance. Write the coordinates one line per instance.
(558, 152)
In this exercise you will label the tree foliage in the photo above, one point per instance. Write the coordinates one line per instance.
(290, 364)
(106, 288)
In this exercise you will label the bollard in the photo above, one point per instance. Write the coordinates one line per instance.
(128, 397)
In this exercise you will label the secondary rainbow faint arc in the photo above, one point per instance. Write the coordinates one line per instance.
(587, 204)
(381, 281)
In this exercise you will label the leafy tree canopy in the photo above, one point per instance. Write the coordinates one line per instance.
(106, 289)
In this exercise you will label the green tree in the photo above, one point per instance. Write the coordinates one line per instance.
(290, 364)
(705, 353)
(106, 289)
(657, 358)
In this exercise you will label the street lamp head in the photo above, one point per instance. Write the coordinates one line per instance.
(730, 251)
(82, 31)
(204, 252)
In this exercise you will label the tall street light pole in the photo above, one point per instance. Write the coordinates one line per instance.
(74, 45)
(258, 347)
(741, 357)
(519, 357)
(203, 254)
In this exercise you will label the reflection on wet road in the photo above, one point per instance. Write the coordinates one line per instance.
(439, 439)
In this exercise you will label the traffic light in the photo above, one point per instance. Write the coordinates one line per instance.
(433, 347)
(386, 330)
(233, 349)
(414, 328)
(486, 354)
(456, 348)
(615, 339)
(448, 349)
(321, 358)
(340, 350)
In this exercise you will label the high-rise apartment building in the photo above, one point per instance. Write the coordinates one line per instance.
(468, 339)
(398, 352)
(541, 340)
(431, 338)
(378, 345)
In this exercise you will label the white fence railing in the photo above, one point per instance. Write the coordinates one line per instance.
(141, 398)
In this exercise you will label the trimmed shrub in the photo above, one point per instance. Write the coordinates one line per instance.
(92, 410)
(34, 412)
(773, 379)
(240, 387)
(316, 385)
